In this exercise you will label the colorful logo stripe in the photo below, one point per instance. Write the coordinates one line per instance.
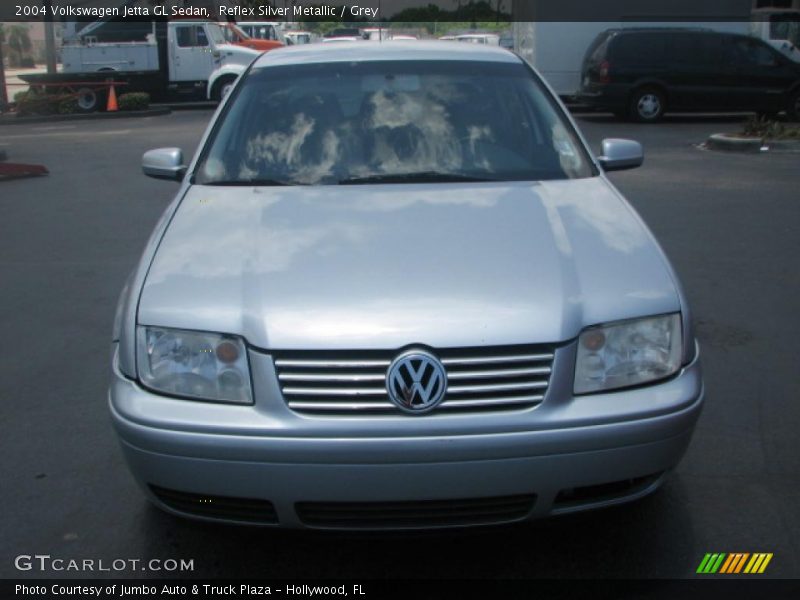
(758, 563)
(734, 563)
(710, 563)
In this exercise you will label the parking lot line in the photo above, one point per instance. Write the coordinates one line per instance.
(29, 136)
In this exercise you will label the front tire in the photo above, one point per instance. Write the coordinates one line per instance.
(222, 88)
(647, 105)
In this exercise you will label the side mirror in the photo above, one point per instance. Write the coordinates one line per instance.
(621, 154)
(164, 163)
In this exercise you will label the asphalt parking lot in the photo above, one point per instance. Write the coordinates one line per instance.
(730, 223)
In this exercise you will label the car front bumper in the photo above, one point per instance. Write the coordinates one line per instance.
(557, 458)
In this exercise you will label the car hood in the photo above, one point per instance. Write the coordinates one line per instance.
(384, 266)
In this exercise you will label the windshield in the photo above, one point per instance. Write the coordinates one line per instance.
(267, 32)
(216, 33)
(342, 123)
(239, 32)
(786, 27)
(234, 34)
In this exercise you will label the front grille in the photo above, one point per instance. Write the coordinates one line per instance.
(425, 513)
(249, 510)
(478, 379)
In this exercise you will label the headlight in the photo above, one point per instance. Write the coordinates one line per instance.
(206, 366)
(628, 353)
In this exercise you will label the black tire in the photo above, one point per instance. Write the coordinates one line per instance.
(88, 100)
(793, 107)
(622, 115)
(222, 88)
(647, 105)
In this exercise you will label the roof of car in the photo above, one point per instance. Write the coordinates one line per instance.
(375, 51)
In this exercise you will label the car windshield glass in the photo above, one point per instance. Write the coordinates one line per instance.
(598, 48)
(786, 27)
(216, 33)
(348, 123)
(239, 32)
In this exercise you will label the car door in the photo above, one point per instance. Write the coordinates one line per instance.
(763, 75)
(699, 77)
(192, 56)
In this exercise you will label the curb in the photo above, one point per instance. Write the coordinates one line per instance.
(727, 143)
(184, 106)
(792, 146)
(98, 116)
(10, 171)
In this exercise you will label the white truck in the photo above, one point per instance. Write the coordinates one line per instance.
(556, 49)
(778, 27)
(177, 60)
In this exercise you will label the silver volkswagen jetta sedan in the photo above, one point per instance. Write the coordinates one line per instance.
(396, 290)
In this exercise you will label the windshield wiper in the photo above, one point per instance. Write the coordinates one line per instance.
(418, 177)
(250, 182)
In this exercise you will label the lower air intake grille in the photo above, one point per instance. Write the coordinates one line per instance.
(351, 382)
(426, 513)
(604, 491)
(218, 507)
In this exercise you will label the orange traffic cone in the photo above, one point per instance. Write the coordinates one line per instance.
(112, 101)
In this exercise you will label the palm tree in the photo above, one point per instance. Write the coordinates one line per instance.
(19, 44)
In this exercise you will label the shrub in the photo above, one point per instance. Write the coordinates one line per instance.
(134, 101)
(31, 103)
(45, 104)
(21, 96)
(67, 105)
(769, 129)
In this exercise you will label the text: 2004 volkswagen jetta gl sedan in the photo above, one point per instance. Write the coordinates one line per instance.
(395, 290)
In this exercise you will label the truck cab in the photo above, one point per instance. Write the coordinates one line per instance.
(238, 37)
(200, 55)
(267, 31)
(780, 28)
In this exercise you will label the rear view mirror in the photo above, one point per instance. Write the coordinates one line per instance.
(621, 154)
(164, 163)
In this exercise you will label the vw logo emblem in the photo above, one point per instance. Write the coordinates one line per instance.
(416, 381)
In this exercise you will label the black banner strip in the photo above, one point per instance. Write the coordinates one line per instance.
(730, 588)
(386, 11)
